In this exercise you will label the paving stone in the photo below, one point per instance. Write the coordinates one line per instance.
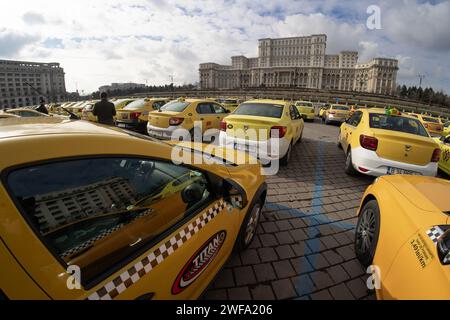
(267, 254)
(303, 285)
(338, 274)
(321, 279)
(244, 275)
(264, 272)
(284, 225)
(341, 292)
(354, 268)
(269, 227)
(283, 269)
(285, 252)
(216, 294)
(332, 257)
(298, 235)
(262, 292)
(318, 261)
(234, 261)
(241, 293)
(283, 289)
(357, 287)
(301, 249)
(301, 265)
(249, 256)
(268, 240)
(346, 252)
(321, 295)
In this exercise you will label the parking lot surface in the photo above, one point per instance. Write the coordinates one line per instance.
(304, 243)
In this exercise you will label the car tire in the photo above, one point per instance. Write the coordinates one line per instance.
(367, 232)
(249, 225)
(300, 138)
(326, 121)
(285, 160)
(349, 169)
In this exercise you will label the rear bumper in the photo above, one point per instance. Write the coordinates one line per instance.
(139, 126)
(163, 133)
(377, 166)
(332, 118)
(309, 116)
(269, 150)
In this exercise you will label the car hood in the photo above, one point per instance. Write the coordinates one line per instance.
(426, 193)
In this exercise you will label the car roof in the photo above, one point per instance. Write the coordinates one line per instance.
(272, 101)
(21, 127)
(21, 109)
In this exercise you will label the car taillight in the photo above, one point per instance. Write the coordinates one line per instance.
(332, 112)
(367, 142)
(175, 121)
(436, 155)
(223, 126)
(281, 131)
(135, 115)
(80, 110)
(425, 125)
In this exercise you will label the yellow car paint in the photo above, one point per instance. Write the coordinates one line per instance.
(444, 162)
(306, 109)
(43, 275)
(405, 255)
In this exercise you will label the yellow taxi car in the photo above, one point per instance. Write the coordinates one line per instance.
(337, 113)
(122, 103)
(134, 116)
(444, 161)
(87, 113)
(108, 215)
(446, 128)
(231, 103)
(403, 234)
(433, 125)
(77, 107)
(26, 112)
(306, 110)
(267, 128)
(188, 117)
(378, 142)
(323, 110)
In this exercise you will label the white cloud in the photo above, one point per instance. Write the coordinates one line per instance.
(107, 41)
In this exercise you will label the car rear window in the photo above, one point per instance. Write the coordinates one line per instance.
(396, 123)
(138, 104)
(175, 106)
(428, 119)
(260, 110)
(344, 108)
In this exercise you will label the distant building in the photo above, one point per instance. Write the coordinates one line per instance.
(121, 86)
(301, 62)
(24, 83)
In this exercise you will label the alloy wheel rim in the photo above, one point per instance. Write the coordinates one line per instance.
(252, 224)
(366, 230)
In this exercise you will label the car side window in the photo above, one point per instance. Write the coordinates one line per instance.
(218, 108)
(205, 108)
(295, 115)
(109, 211)
(355, 119)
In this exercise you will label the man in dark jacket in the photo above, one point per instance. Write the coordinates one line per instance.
(42, 108)
(104, 110)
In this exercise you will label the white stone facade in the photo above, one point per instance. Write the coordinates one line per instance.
(24, 83)
(301, 62)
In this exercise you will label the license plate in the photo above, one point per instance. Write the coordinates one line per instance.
(244, 147)
(121, 125)
(392, 170)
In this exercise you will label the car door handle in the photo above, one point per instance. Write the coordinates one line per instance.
(136, 242)
(202, 119)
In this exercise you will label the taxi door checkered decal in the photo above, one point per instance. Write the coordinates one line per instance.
(435, 233)
(136, 272)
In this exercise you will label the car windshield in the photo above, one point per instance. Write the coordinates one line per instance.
(344, 108)
(396, 123)
(260, 110)
(138, 104)
(428, 119)
(175, 106)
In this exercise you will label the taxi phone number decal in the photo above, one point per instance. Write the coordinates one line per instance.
(199, 262)
(421, 250)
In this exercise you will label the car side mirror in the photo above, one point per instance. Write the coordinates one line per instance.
(227, 111)
(443, 247)
(234, 195)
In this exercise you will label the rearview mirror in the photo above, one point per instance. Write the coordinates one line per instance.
(234, 195)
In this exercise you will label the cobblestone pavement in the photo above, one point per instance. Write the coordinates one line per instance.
(304, 243)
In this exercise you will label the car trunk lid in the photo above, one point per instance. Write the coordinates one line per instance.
(404, 147)
(250, 127)
(161, 119)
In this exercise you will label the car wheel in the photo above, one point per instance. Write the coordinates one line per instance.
(285, 160)
(367, 232)
(300, 138)
(326, 121)
(349, 169)
(249, 226)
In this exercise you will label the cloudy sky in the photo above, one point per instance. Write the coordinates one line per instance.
(145, 41)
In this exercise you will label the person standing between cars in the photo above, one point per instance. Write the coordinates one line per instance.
(42, 108)
(104, 110)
